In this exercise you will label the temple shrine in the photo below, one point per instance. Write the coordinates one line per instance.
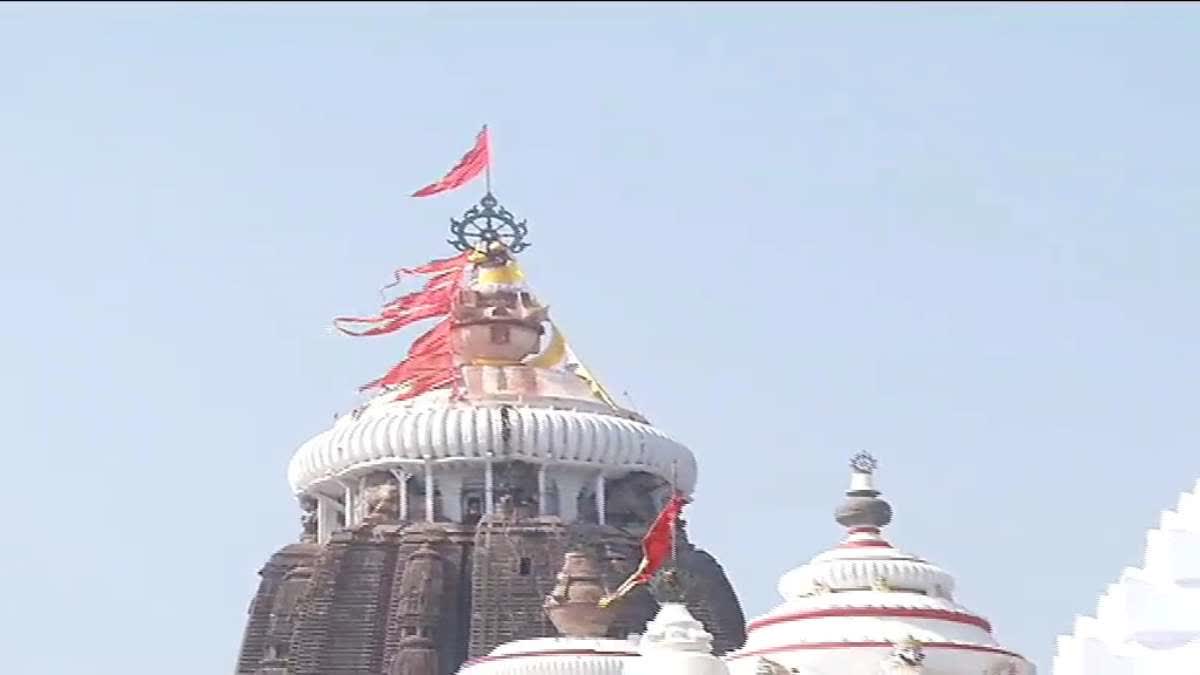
(489, 509)
(437, 514)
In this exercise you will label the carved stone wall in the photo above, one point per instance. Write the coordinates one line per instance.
(420, 598)
(258, 623)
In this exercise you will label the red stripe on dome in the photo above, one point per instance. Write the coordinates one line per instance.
(848, 645)
(548, 652)
(865, 543)
(875, 612)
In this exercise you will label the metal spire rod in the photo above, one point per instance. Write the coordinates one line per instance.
(487, 168)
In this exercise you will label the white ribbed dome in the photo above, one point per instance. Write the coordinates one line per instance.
(555, 656)
(388, 432)
(857, 607)
(847, 569)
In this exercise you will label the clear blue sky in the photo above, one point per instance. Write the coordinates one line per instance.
(961, 237)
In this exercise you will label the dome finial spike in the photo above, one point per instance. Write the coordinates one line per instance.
(863, 507)
(864, 462)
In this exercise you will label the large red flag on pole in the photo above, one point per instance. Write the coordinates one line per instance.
(657, 547)
(476, 161)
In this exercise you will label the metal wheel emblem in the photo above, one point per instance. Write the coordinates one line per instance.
(488, 223)
(863, 462)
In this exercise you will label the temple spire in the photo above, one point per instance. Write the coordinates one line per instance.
(862, 508)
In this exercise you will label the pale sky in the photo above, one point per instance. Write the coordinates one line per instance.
(960, 237)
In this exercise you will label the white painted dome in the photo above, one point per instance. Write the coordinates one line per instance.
(675, 643)
(1148, 622)
(864, 607)
(389, 433)
(555, 656)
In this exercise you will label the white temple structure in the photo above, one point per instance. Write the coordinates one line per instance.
(861, 608)
(673, 643)
(1148, 622)
(865, 608)
(519, 402)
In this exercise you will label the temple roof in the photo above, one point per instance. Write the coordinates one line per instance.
(1148, 621)
(496, 377)
(674, 643)
(865, 605)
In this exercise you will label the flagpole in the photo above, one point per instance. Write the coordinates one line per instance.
(487, 170)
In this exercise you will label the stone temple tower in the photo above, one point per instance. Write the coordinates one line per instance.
(436, 515)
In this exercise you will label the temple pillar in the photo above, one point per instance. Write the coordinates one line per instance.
(402, 479)
(600, 497)
(428, 490)
(348, 504)
(362, 503)
(451, 490)
(542, 490)
(326, 518)
(568, 497)
(489, 486)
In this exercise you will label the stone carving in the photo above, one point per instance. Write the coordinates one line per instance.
(392, 590)
(766, 666)
(517, 483)
(880, 585)
(573, 605)
(381, 499)
(907, 657)
(308, 519)
(506, 507)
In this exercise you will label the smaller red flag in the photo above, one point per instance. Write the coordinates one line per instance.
(471, 165)
(656, 547)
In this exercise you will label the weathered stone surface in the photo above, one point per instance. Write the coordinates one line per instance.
(421, 598)
(263, 610)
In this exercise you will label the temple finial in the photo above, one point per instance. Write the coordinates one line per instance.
(863, 508)
(864, 462)
(486, 224)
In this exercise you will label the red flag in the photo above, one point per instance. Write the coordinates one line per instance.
(438, 267)
(471, 165)
(429, 354)
(435, 339)
(656, 547)
(430, 363)
(390, 323)
(433, 300)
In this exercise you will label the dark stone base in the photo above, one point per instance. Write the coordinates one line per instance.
(422, 598)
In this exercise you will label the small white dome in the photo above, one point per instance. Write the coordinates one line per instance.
(864, 607)
(675, 643)
(555, 656)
